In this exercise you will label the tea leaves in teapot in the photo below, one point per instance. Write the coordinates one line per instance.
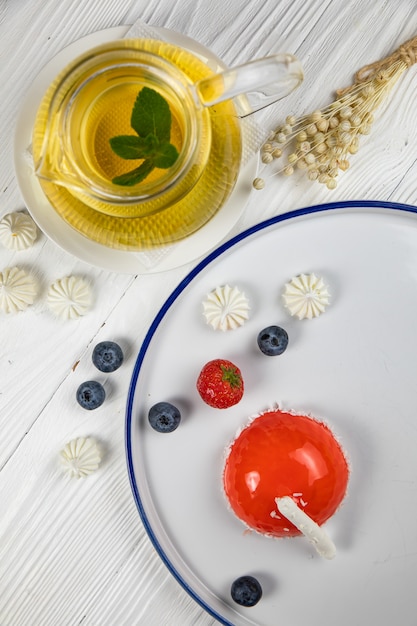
(135, 176)
(165, 155)
(151, 115)
(132, 147)
(151, 119)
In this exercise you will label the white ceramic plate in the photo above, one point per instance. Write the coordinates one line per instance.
(71, 240)
(354, 367)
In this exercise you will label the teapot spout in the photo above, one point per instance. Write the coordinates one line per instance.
(52, 167)
(268, 79)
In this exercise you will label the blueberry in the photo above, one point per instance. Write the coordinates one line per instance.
(90, 395)
(273, 340)
(164, 417)
(246, 591)
(107, 356)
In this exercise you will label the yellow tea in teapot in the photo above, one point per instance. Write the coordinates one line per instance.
(109, 119)
(92, 102)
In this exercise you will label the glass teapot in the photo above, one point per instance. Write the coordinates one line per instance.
(138, 143)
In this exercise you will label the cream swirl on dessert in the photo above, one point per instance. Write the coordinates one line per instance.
(226, 308)
(81, 457)
(18, 290)
(69, 297)
(306, 296)
(17, 231)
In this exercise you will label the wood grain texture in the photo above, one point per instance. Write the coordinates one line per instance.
(75, 552)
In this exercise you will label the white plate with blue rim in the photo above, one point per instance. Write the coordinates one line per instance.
(352, 367)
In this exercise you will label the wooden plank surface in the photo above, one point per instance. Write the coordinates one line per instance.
(75, 552)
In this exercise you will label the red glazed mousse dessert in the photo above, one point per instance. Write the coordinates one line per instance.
(281, 454)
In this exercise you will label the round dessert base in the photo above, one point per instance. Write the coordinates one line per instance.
(284, 454)
(61, 233)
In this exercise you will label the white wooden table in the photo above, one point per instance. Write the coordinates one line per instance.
(75, 552)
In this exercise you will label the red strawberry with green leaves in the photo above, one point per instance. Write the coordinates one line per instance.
(220, 384)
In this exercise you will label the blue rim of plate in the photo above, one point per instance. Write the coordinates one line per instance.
(318, 208)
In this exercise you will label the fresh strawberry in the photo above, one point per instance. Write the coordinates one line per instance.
(220, 384)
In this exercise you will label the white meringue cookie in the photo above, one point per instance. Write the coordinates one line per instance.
(18, 290)
(69, 297)
(306, 296)
(81, 457)
(226, 308)
(18, 231)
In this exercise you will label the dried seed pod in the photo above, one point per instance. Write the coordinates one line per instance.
(322, 141)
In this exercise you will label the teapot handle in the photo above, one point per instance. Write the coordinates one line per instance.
(269, 79)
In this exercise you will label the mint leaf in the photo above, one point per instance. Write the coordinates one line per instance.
(151, 119)
(165, 155)
(133, 147)
(135, 176)
(151, 115)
